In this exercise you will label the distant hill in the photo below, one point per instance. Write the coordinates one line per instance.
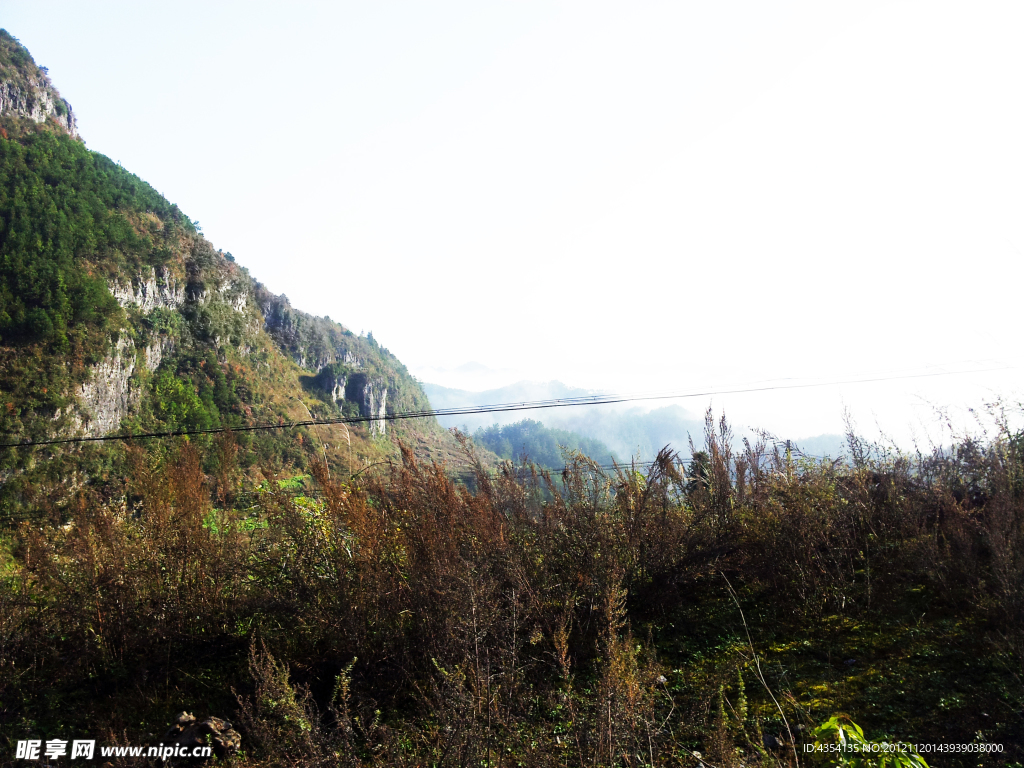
(625, 431)
(541, 445)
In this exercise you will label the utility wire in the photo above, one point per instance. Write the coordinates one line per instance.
(496, 408)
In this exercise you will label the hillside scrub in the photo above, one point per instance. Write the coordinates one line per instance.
(582, 617)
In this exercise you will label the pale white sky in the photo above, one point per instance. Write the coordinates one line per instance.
(625, 196)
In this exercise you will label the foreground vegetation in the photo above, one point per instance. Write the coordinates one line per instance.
(583, 618)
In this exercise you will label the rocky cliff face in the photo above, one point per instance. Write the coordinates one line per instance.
(108, 396)
(202, 300)
(214, 307)
(37, 100)
(368, 391)
(371, 394)
(26, 92)
(157, 349)
(149, 292)
(332, 381)
(375, 405)
(112, 393)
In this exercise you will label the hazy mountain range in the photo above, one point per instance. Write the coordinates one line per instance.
(628, 431)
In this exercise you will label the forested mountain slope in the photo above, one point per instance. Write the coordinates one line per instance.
(118, 316)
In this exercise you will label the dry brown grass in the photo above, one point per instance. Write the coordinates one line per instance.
(406, 620)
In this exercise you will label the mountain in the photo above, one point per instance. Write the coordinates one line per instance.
(626, 432)
(26, 92)
(622, 431)
(539, 444)
(118, 316)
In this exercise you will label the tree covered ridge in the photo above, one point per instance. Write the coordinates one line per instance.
(543, 445)
(16, 63)
(72, 221)
(69, 219)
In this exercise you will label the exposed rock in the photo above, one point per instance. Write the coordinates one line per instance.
(312, 342)
(375, 399)
(336, 387)
(333, 380)
(156, 350)
(147, 293)
(37, 100)
(108, 396)
(372, 396)
(235, 295)
(218, 733)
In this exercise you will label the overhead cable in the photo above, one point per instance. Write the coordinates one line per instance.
(564, 402)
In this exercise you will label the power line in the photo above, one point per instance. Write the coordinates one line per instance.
(496, 408)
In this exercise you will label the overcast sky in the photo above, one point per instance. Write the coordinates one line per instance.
(629, 196)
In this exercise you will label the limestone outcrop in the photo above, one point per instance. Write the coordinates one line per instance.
(149, 292)
(371, 393)
(108, 396)
(34, 98)
(333, 380)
